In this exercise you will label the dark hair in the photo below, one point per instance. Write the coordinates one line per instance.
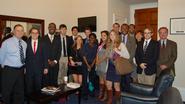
(62, 26)
(52, 24)
(34, 28)
(18, 25)
(163, 28)
(125, 25)
(116, 24)
(7, 30)
(132, 25)
(87, 28)
(101, 41)
(74, 27)
(92, 34)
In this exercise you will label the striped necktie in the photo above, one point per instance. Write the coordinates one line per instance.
(145, 46)
(21, 52)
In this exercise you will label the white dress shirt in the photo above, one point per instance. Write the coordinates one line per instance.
(36, 45)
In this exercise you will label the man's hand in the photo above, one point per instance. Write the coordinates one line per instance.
(45, 71)
(89, 67)
(163, 67)
(143, 65)
(51, 63)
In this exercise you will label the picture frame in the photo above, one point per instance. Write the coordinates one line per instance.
(177, 26)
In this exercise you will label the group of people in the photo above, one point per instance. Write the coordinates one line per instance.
(48, 61)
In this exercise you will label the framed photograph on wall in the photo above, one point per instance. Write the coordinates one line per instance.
(177, 26)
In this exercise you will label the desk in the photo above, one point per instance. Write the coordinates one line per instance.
(42, 98)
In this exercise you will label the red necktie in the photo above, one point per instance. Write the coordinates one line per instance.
(34, 47)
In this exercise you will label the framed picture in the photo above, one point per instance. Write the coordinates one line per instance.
(177, 26)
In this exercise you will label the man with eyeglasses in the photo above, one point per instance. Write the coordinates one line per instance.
(146, 58)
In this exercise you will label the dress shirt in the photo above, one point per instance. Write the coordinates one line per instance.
(125, 38)
(165, 41)
(63, 36)
(148, 41)
(10, 54)
(51, 37)
(32, 44)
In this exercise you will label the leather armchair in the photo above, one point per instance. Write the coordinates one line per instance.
(170, 96)
(145, 94)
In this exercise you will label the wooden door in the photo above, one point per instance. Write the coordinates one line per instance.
(147, 18)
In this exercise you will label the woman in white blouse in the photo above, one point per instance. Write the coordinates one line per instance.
(118, 49)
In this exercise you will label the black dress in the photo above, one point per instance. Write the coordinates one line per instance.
(76, 57)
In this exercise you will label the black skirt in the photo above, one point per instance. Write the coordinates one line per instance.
(75, 70)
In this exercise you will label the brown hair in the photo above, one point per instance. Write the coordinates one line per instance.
(150, 29)
(18, 25)
(74, 46)
(163, 28)
(34, 28)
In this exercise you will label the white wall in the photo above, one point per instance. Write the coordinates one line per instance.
(133, 7)
(170, 9)
(58, 11)
(120, 10)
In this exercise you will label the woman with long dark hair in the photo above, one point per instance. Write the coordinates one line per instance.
(102, 64)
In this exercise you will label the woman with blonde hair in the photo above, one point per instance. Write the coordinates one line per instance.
(118, 49)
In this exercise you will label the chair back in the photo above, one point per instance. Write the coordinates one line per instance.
(163, 82)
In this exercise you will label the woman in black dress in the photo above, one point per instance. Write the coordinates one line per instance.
(75, 60)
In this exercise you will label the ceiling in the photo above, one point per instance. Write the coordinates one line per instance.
(140, 1)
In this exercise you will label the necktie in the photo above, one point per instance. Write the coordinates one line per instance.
(163, 44)
(123, 38)
(21, 52)
(145, 46)
(64, 48)
(34, 47)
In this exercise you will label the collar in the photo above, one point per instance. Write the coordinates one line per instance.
(63, 36)
(34, 40)
(17, 39)
(148, 41)
(50, 34)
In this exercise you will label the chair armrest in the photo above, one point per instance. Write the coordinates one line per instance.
(141, 89)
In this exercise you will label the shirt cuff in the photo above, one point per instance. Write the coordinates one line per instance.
(55, 61)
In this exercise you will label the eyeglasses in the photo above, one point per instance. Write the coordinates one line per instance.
(148, 33)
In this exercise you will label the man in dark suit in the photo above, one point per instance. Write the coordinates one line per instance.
(36, 62)
(66, 42)
(53, 43)
(131, 46)
(146, 58)
(74, 31)
(168, 52)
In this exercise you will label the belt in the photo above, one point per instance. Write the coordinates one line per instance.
(16, 68)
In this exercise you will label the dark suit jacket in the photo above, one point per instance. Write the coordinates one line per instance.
(35, 63)
(149, 57)
(168, 56)
(69, 42)
(53, 48)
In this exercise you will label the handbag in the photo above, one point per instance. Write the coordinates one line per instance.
(122, 66)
